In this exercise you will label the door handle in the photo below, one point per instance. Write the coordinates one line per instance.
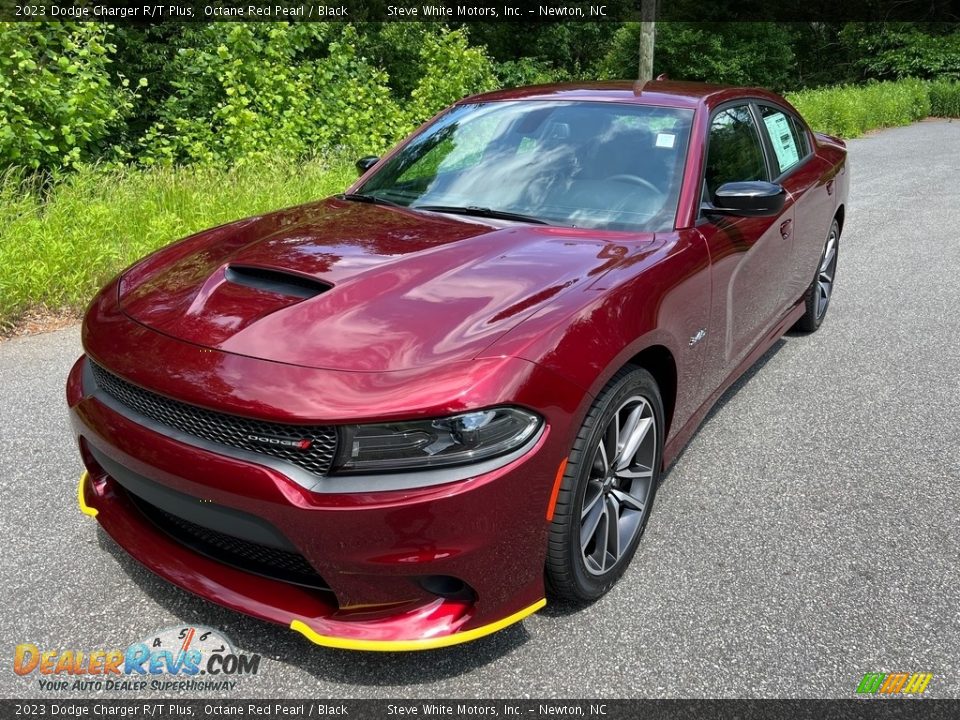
(786, 227)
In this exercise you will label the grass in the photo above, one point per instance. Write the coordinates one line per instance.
(945, 99)
(59, 245)
(851, 110)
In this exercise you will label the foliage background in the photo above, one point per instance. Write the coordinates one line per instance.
(227, 93)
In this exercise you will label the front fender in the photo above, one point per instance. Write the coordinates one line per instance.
(658, 297)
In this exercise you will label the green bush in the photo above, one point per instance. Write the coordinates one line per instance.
(396, 48)
(249, 90)
(945, 99)
(848, 110)
(527, 71)
(453, 70)
(58, 103)
(60, 244)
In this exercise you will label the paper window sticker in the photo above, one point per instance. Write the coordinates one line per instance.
(666, 140)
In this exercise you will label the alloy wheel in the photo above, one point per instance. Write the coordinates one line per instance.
(616, 501)
(826, 273)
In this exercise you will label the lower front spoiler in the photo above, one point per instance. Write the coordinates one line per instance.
(312, 613)
(425, 643)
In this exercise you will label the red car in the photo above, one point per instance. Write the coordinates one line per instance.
(401, 417)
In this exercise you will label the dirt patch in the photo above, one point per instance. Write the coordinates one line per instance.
(41, 321)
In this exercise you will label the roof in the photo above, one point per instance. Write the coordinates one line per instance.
(656, 92)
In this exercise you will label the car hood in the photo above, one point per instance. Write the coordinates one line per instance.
(361, 287)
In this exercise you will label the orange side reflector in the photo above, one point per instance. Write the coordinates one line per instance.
(556, 490)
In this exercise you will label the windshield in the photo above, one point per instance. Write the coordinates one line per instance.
(584, 164)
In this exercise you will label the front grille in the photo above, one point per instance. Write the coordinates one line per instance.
(243, 554)
(224, 429)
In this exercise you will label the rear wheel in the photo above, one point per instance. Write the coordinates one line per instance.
(817, 297)
(608, 488)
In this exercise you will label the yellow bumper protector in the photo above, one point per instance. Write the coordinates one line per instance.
(84, 508)
(410, 645)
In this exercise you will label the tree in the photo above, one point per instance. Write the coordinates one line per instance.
(723, 52)
(648, 32)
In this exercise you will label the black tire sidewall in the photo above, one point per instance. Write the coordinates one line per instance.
(635, 381)
(810, 321)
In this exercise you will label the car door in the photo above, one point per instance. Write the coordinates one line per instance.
(749, 255)
(796, 168)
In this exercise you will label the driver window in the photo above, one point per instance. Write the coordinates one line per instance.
(735, 153)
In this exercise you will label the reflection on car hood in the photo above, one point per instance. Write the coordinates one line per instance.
(371, 288)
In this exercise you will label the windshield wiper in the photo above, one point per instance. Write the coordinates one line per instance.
(375, 199)
(481, 212)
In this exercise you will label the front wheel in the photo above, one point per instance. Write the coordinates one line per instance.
(817, 297)
(607, 491)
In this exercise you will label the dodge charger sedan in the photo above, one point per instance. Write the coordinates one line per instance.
(402, 417)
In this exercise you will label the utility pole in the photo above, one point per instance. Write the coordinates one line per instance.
(648, 31)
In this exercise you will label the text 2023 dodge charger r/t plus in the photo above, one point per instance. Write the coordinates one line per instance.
(402, 417)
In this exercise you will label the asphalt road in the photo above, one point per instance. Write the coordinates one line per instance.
(808, 534)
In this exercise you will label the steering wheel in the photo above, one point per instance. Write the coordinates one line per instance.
(636, 180)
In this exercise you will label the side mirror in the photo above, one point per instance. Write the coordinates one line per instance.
(755, 198)
(366, 162)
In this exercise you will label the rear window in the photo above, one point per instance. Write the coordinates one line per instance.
(786, 135)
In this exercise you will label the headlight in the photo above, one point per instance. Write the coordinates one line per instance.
(455, 440)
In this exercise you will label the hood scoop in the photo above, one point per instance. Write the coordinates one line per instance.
(275, 281)
(231, 298)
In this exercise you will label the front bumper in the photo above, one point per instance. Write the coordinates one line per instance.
(375, 551)
(434, 624)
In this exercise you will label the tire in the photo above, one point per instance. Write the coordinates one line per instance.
(581, 572)
(817, 297)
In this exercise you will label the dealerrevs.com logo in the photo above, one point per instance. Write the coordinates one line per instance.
(187, 658)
